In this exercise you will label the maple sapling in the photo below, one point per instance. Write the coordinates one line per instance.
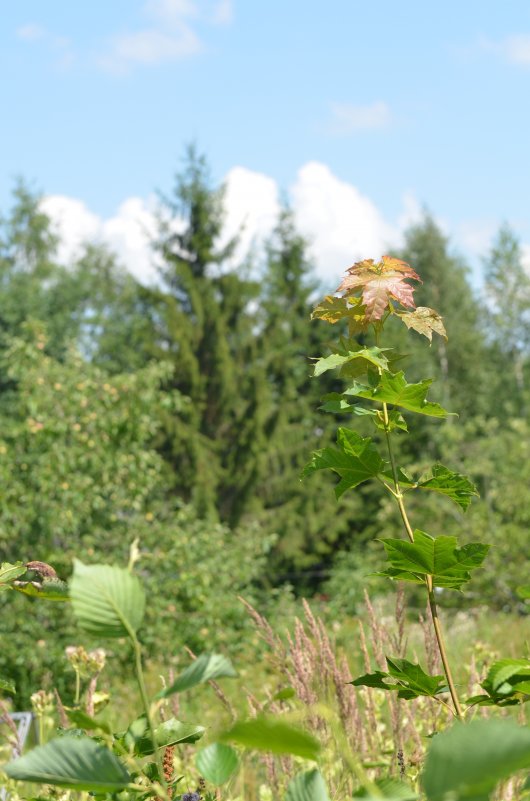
(370, 293)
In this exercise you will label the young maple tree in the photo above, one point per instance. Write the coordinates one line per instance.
(370, 293)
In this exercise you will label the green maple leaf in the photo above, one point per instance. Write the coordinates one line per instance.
(454, 485)
(352, 362)
(409, 680)
(355, 461)
(394, 389)
(440, 557)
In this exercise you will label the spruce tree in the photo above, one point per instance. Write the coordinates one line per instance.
(508, 298)
(298, 512)
(204, 325)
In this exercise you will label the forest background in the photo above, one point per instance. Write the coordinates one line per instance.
(181, 413)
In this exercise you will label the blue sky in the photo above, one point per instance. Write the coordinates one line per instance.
(405, 103)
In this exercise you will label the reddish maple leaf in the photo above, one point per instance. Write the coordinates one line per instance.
(379, 283)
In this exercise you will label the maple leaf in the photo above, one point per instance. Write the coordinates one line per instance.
(379, 283)
(333, 309)
(424, 321)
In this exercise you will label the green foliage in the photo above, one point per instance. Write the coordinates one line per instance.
(217, 763)
(466, 762)
(438, 557)
(170, 732)
(407, 679)
(107, 601)
(308, 786)
(507, 683)
(268, 734)
(394, 389)
(77, 763)
(205, 668)
(355, 462)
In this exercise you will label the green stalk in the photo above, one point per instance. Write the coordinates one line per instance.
(428, 581)
(147, 709)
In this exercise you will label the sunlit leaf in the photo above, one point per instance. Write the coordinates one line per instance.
(268, 734)
(454, 485)
(7, 685)
(205, 668)
(107, 601)
(48, 589)
(9, 572)
(425, 321)
(395, 390)
(77, 763)
(466, 762)
(507, 683)
(438, 557)
(380, 282)
(355, 462)
(352, 363)
(409, 680)
(308, 786)
(217, 763)
(170, 732)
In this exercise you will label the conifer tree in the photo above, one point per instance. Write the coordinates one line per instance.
(508, 297)
(205, 326)
(300, 514)
(461, 362)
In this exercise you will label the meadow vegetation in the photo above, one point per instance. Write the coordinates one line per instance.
(187, 618)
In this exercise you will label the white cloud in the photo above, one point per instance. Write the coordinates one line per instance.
(149, 46)
(170, 36)
(517, 49)
(514, 49)
(349, 119)
(128, 232)
(341, 224)
(252, 206)
(31, 32)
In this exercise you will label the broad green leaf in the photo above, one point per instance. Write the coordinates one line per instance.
(9, 572)
(48, 589)
(217, 763)
(390, 789)
(309, 786)
(406, 678)
(7, 685)
(337, 403)
(507, 671)
(205, 668)
(267, 734)
(352, 362)
(507, 683)
(77, 763)
(425, 321)
(84, 721)
(355, 462)
(438, 557)
(107, 601)
(395, 390)
(524, 592)
(454, 485)
(466, 762)
(170, 732)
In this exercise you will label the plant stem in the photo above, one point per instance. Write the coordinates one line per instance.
(428, 581)
(441, 647)
(147, 709)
